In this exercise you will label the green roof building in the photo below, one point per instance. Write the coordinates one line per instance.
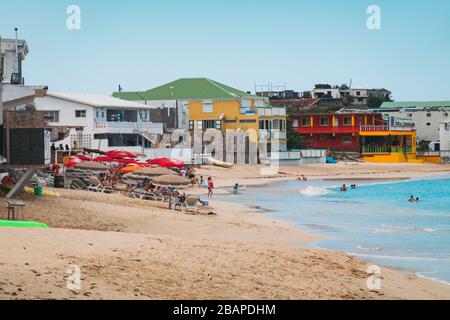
(187, 89)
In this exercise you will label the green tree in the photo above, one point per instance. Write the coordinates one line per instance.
(294, 139)
(306, 94)
(348, 100)
(376, 102)
(423, 146)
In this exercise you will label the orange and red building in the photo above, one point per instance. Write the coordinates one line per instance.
(377, 139)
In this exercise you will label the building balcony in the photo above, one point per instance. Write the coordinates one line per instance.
(128, 127)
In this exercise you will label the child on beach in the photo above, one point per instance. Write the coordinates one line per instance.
(210, 187)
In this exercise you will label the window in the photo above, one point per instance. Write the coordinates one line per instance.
(347, 121)
(97, 114)
(53, 116)
(446, 114)
(346, 140)
(295, 123)
(199, 125)
(282, 125)
(207, 107)
(209, 124)
(80, 113)
(306, 122)
(410, 115)
(247, 121)
(275, 124)
(429, 115)
(229, 121)
(218, 124)
(191, 125)
(324, 121)
(322, 137)
(358, 93)
(428, 124)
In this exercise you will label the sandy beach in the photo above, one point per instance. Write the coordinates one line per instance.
(134, 249)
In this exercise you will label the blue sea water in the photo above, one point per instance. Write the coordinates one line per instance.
(375, 221)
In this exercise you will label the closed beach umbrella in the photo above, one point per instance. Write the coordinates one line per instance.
(90, 165)
(129, 169)
(171, 180)
(154, 172)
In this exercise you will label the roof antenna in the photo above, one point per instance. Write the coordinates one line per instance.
(120, 88)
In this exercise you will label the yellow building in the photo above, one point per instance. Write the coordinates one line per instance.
(394, 142)
(206, 104)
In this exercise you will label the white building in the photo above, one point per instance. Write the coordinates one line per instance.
(12, 54)
(360, 95)
(444, 133)
(426, 116)
(99, 122)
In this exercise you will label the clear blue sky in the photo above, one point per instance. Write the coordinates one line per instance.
(142, 44)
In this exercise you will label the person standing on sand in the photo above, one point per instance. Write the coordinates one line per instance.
(210, 188)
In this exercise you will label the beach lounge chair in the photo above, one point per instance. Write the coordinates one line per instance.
(146, 195)
(190, 204)
(98, 186)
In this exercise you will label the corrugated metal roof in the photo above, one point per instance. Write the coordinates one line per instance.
(187, 89)
(97, 100)
(415, 104)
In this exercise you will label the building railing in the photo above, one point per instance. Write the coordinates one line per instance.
(272, 135)
(128, 127)
(271, 111)
(375, 128)
(385, 150)
(328, 129)
(428, 153)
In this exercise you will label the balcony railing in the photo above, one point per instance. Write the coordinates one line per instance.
(128, 127)
(272, 135)
(375, 128)
(328, 129)
(385, 150)
(386, 128)
(270, 112)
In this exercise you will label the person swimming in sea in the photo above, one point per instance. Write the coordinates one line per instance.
(343, 188)
(411, 199)
(417, 199)
(353, 186)
(236, 188)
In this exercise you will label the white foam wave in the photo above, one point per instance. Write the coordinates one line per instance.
(396, 229)
(312, 191)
